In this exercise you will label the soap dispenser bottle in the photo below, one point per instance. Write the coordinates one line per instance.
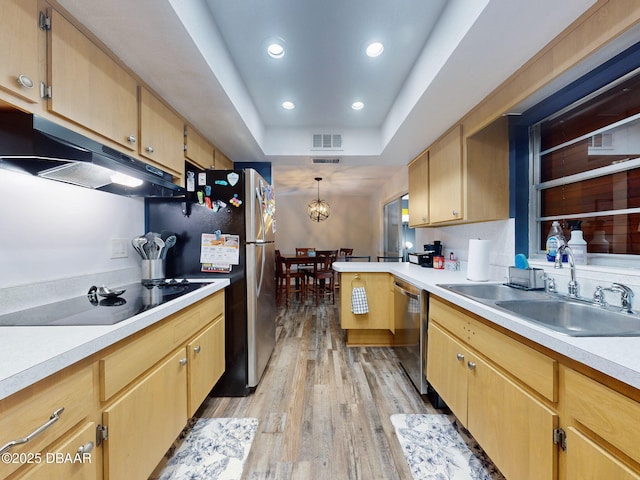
(578, 244)
(554, 240)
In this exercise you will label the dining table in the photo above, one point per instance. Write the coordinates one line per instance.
(290, 259)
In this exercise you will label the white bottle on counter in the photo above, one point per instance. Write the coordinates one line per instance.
(578, 244)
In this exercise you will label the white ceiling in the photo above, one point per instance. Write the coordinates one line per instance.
(207, 59)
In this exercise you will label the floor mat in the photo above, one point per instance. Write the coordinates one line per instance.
(437, 447)
(211, 448)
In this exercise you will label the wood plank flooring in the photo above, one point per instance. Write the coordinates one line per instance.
(323, 408)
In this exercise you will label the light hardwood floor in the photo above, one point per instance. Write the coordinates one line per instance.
(323, 408)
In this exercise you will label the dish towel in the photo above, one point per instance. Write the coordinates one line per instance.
(359, 304)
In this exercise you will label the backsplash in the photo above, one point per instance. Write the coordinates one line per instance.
(54, 231)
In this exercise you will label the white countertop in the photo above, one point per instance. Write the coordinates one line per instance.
(618, 357)
(29, 354)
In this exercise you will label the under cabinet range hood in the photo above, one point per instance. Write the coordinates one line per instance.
(35, 145)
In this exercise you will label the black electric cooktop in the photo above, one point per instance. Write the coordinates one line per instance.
(92, 309)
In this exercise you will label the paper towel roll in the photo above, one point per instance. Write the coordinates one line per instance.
(478, 266)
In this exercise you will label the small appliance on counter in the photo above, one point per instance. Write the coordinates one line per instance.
(425, 258)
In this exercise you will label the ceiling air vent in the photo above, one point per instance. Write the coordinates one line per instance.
(326, 160)
(326, 141)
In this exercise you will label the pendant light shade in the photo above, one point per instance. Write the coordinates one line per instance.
(318, 210)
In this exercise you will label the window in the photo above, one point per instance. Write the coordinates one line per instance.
(586, 166)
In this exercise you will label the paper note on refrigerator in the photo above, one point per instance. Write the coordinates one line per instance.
(223, 249)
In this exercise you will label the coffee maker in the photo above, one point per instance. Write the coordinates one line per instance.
(425, 258)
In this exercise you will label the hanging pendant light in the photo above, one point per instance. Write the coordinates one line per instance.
(318, 210)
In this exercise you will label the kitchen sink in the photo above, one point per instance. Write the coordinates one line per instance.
(573, 318)
(493, 291)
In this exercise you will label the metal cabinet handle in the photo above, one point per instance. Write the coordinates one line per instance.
(183, 361)
(149, 149)
(197, 349)
(25, 81)
(460, 357)
(471, 365)
(455, 213)
(131, 139)
(86, 448)
(55, 416)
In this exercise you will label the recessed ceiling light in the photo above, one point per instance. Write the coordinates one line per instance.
(275, 50)
(357, 105)
(287, 105)
(375, 49)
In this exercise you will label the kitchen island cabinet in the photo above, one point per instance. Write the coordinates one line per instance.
(88, 87)
(22, 45)
(377, 326)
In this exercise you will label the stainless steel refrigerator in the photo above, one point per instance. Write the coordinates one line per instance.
(229, 202)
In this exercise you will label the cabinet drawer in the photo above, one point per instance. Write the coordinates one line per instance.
(67, 459)
(526, 364)
(29, 409)
(605, 412)
(135, 356)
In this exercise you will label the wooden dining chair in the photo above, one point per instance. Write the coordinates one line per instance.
(322, 277)
(357, 258)
(344, 252)
(299, 287)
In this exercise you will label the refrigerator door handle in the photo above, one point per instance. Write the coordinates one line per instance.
(261, 272)
(260, 204)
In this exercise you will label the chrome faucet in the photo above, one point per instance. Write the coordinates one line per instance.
(626, 296)
(572, 288)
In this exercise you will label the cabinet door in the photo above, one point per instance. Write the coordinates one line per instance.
(88, 87)
(146, 420)
(19, 44)
(76, 458)
(447, 371)
(198, 150)
(206, 363)
(514, 428)
(419, 191)
(588, 461)
(161, 133)
(379, 290)
(221, 161)
(446, 178)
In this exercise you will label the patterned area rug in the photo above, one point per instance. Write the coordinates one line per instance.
(437, 447)
(209, 448)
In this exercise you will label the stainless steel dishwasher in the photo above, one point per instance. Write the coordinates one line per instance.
(410, 318)
(411, 323)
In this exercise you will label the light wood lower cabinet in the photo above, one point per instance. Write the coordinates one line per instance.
(143, 423)
(377, 326)
(603, 439)
(509, 421)
(206, 363)
(76, 458)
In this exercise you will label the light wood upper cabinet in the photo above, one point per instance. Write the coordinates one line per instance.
(161, 133)
(88, 87)
(445, 178)
(22, 47)
(419, 191)
(222, 162)
(199, 150)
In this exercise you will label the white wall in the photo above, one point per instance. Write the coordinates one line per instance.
(51, 230)
(350, 225)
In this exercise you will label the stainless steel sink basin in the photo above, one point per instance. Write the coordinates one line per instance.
(494, 291)
(573, 318)
(561, 314)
